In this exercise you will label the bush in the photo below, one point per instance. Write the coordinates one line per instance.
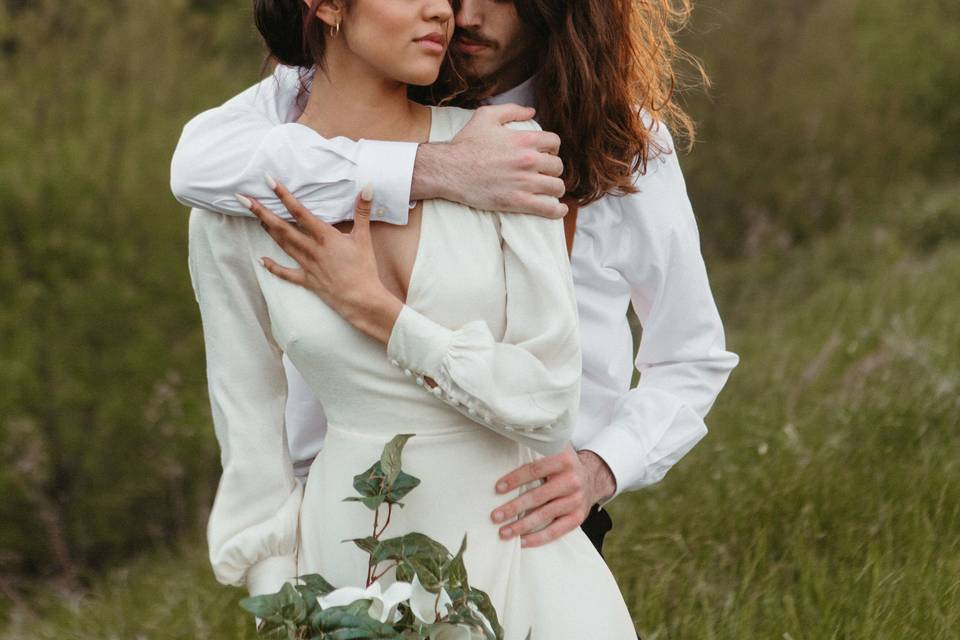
(105, 439)
(818, 108)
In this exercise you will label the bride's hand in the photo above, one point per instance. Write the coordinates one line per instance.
(340, 268)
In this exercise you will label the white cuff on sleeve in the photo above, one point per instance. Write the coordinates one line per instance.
(268, 575)
(388, 168)
(417, 343)
(633, 470)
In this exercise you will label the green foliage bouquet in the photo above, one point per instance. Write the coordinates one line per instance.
(430, 599)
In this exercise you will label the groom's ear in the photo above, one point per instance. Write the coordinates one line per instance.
(330, 12)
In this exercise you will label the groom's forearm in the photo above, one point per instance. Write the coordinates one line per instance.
(493, 167)
(433, 172)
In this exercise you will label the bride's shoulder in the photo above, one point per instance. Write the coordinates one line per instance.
(450, 120)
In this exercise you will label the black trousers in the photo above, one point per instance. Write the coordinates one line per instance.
(596, 526)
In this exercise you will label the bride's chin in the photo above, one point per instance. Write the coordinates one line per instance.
(422, 77)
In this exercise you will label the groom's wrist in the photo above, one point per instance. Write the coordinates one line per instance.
(603, 482)
(431, 172)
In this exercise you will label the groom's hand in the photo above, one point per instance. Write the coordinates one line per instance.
(573, 483)
(495, 168)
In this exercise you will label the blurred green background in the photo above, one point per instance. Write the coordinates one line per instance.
(825, 502)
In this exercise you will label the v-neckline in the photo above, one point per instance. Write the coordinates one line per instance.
(425, 205)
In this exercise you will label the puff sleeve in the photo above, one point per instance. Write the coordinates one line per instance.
(252, 530)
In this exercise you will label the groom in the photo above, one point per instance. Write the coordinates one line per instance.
(634, 237)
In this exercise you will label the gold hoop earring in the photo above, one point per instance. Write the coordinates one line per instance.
(335, 31)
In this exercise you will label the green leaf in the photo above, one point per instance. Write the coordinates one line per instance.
(403, 484)
(370, 483)
(429, 570)
(263, 606)
(409, 546)
(317, 583)
(470, 618)
(350, 622)
(405, 572)
(391, 456)
(456, 572)
(368, 544)
(485, 606)
(283, 606)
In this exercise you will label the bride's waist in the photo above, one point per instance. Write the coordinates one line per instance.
(382, 431)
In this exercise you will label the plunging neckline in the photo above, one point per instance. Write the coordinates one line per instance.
(425, 206)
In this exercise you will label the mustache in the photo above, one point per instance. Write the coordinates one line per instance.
(475, 36)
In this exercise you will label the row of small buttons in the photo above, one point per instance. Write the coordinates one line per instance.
(471, 407)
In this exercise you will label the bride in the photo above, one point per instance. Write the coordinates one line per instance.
(460, 327)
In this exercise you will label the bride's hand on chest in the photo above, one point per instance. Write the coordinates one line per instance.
(339, 267)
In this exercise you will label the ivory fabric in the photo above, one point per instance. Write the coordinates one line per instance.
(640, 250)
(508, 386)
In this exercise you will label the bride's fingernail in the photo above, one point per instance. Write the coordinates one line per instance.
(502, 487)
(271, 182)
(367, 194)
(244, 200)
(497, 516)
(506, 533)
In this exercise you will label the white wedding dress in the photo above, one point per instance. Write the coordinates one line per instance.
(491, 317)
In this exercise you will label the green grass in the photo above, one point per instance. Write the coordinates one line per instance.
(824, 503)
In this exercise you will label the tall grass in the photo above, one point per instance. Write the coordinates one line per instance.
(825, 503)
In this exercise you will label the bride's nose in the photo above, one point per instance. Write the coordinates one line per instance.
(438, 10)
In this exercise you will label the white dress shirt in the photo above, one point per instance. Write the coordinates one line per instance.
(641, 249)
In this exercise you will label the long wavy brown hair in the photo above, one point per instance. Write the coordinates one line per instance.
(603, 64)
(606, 77)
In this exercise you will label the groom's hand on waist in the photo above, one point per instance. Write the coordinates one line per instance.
(492, 167)
(572, 483)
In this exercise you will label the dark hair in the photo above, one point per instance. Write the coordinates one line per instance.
(293, 34)
(295, 37)
(605, 79)
(603, 64)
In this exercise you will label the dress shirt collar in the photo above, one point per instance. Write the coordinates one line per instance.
(521, 94)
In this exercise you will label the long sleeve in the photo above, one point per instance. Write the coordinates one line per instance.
(682, 358)
(252, 530)
(525, 384)
(228, 150)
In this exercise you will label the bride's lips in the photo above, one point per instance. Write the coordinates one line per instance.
(433, 42)
(468, 46)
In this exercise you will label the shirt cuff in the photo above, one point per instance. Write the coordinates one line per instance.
(417, 343)
(269, 575)
(632, 471)
(388, 168)
(608, 444)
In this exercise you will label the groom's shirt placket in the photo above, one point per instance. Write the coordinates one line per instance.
(641, 249)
